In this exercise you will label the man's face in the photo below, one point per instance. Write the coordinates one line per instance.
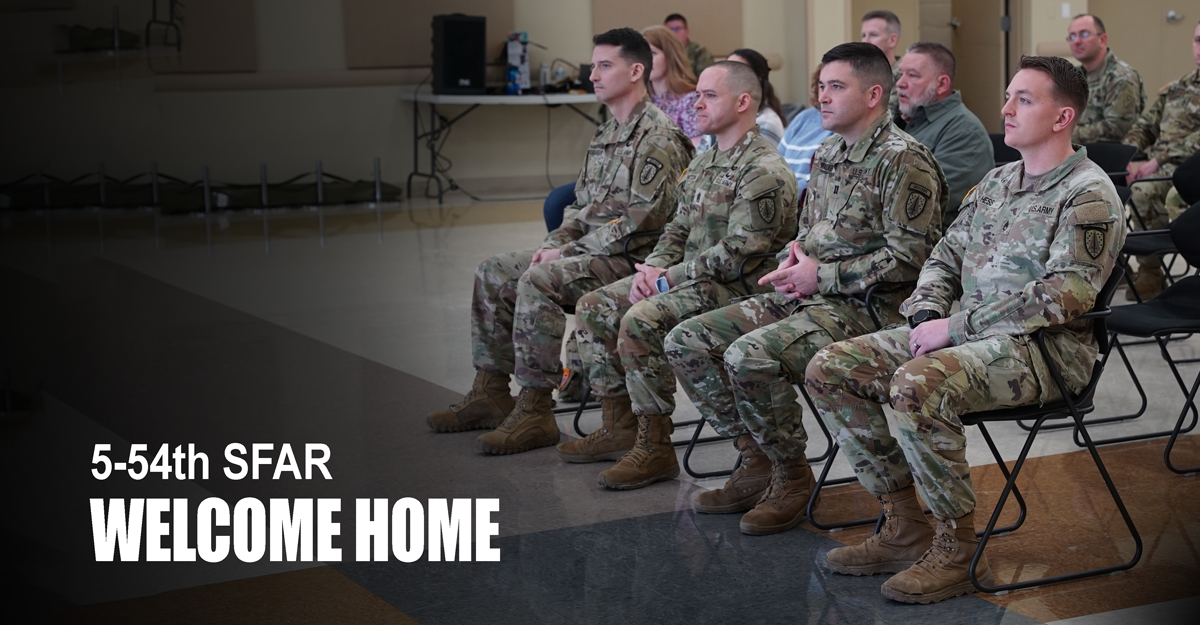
(1087, 45)
(1196, 44)
(1030, 110)
(918, 82)
(680, 29)
(612, 75)
(875, 32)
(716, 108)
(843, 99)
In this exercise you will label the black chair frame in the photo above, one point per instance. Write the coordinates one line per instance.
(1073, 406)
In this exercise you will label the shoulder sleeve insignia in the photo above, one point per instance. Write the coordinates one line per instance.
(918, 198)
(766, 209)
(1094, 239)
(649, 170)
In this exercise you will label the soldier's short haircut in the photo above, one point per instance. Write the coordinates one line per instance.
(740, 78)
(1099, 24)
(634, 48)
(941, 56)
(893, 22)
(1070, 83)
(869, 63)
(676, 17)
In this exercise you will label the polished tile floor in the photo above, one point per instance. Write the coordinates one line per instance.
(347, 326)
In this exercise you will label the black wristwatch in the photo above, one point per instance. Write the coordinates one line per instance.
(922, 316)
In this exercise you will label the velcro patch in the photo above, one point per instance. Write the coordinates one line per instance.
(649, 170)
(913, 198)
(766, 209)
(918, 198)
(1094, 238)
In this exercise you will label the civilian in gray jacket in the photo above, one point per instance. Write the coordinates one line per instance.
(937, 118)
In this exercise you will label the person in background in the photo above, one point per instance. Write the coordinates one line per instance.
(1115, 93)
(698, 56)
(672, 83)
(939, 120)
(770, 113)
(882, 29)
(805, 134)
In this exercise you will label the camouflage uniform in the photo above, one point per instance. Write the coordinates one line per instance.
(698, 56)
(1169, 132)
(625, 187)
(872, 214)
(1023, 255)
(1115, 99)
(894, 96)
(731, 204)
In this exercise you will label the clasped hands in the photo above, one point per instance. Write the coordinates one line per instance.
(795, 277)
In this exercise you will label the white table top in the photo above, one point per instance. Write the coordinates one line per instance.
(410, 93)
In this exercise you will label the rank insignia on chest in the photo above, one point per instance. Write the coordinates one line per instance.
(766, 209)
(918, 197)
(1093, 240)
(649, 170)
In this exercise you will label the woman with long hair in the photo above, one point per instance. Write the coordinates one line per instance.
(770, 113)
(672, 83)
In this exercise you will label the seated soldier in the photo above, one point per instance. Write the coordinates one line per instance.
(1168, 132)
(736, 200)
(1032, 248)
(872, 214)
(626, 186)
(1115, 93)
(939, 120)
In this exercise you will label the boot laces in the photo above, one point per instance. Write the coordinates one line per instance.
(642, 448)
(475, 394)
(518, 411)
(939, 555)
(778, 486)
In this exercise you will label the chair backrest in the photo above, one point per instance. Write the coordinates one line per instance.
(1111, 157)
(1185, 234)
(1004, 154)
(1102, 308)
(1187, 180)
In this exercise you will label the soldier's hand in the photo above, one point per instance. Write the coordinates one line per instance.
(929, 337)
(545, 256)
(640, 290)
(1144, 169)
(794, 278)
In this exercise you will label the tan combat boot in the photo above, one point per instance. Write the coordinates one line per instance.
(903, 539)
(614, 438)
(745, 487)
(483, 407)
(784, 504)
(942, 572)
(652, 458)
(1149, 279)
(530, 425)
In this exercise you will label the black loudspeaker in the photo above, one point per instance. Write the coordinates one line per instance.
(459, 54)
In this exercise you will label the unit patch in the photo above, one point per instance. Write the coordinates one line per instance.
(650, 170)
(1094, 239)
(918, 197)
(766, 209)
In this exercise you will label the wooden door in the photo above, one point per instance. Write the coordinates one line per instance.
(979, 51)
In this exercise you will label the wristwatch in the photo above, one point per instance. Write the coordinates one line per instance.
(922, 316)
(661, 284)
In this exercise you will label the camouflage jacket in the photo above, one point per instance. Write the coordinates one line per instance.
(698, 56)
(1115, 99)
(626, 184)
(731, 204)
(1019, 259)
(1169, 131)
(873, 213)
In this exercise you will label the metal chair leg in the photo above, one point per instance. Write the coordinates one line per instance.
(1191, 401)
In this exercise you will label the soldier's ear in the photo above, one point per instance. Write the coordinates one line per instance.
(636, 71)
(1066, 117)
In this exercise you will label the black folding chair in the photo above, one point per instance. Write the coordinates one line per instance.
(1074, 406)
(1174, 311)
(1002, 152)
(1113, 158)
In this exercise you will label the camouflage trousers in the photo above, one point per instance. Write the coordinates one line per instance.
(739, 364)
(1149, 201)
(850, 381)
(622, 345)
(517, 321)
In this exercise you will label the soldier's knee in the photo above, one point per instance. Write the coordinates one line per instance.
(914, 383)
(679, 339)
(640, 322)
(829, 367)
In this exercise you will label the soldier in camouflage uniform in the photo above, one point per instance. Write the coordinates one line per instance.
(699, 58)
(1115, 93)
(517, 322)
(734, 201)
(1168, 133)
(882, 29)
(1035, 242)
(872, 213)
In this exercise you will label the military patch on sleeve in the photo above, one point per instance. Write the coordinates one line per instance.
(918, 198)
(649, 170)
(766, 209)
(1094, 238)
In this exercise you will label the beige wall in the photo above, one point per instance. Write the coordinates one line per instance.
(1048, 26)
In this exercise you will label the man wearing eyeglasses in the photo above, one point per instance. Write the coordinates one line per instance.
(698, 55)
(1115, 93)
